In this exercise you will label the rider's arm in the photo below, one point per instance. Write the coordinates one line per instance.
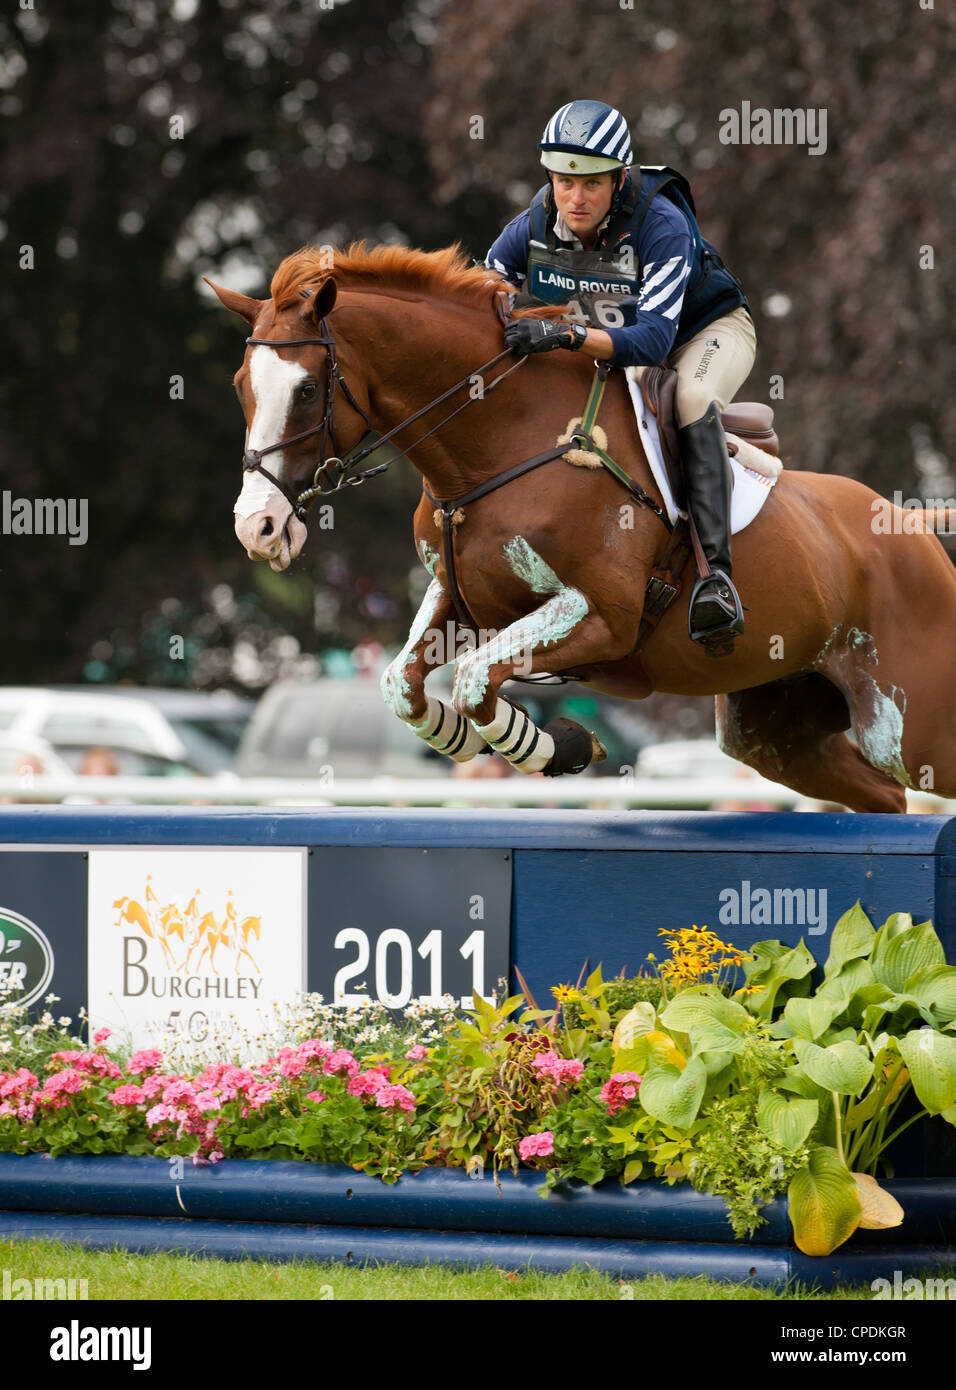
(665, 252)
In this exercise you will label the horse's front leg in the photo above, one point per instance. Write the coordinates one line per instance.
(403, 684)
(565, 632)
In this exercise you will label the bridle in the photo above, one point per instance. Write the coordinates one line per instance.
(252, 458)
(331, 473)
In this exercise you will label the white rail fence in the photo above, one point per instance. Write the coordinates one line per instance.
(627, 791)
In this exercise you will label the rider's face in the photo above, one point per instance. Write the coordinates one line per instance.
(583, 200)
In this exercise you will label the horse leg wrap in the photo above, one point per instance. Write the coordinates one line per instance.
(447, 731)
(517, 738)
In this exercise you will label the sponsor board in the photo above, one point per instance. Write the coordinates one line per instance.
(26, 958)
(182, 938)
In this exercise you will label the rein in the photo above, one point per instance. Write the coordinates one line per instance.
(252, 458)
(330, 473)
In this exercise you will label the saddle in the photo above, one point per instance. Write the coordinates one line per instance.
(749, 420)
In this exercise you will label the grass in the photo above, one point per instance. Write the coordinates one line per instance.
(118, 1274)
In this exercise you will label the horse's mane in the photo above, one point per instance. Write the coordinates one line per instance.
(447, 274)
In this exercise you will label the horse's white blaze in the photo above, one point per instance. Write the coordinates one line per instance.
(257, 492)
(273, 382)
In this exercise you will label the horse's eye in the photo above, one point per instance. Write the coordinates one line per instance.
(307, 392)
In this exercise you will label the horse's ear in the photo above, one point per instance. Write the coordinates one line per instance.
(321, 303)
(241, 304)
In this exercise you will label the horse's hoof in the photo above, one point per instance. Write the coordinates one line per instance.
(574, 748)
(598, 751)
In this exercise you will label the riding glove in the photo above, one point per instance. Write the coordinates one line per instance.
(541, 335)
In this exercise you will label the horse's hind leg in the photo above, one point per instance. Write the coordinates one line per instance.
(403, 684)
(793, 731)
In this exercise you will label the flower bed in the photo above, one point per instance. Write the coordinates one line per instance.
(673, 1076)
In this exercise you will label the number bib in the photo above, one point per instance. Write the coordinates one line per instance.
(600, 293)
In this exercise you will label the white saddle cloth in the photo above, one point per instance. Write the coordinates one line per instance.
(754, 471)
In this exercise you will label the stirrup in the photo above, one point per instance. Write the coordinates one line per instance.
(718, 638)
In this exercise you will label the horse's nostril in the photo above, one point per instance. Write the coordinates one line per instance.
(267, 526)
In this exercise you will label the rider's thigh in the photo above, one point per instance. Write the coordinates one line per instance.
(713, 365)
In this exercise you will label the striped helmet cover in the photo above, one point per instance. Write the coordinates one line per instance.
(588, 127)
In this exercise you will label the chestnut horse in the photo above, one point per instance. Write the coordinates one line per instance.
(847, 628)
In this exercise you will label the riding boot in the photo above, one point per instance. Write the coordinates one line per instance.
(715, 612)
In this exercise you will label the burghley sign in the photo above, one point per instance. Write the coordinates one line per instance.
(26, 959)
(182, 938)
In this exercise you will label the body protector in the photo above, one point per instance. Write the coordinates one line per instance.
(601, 287)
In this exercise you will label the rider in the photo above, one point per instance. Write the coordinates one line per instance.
(627, 250)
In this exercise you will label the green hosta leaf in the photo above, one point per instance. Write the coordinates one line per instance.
(595, 982)
(674, 1096)
(864, 1109)
(856, 974)
(641, 1019)
(810, 1018)
(852, 936)
(825, 1206)
(787, 1122)
(897, 922)
(898, 958)
(693, 1007)
(798, 1083)
(844, 1067)
(864, 1000)
(716, 1062)
(713, 1022)
(931, 1060)
(934, 989)
(775, 967)
(636, 1058)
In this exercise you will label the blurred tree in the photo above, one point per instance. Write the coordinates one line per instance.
(829, 246)
(149, 143)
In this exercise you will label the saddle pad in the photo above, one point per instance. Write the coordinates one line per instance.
(751, 489)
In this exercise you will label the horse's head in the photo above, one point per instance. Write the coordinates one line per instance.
(287, 396)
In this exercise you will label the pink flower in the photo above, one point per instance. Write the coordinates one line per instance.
(317, 1096)
(178, 1090)
(560, 1068)
(315, 1047)
(292, 1066)
(416, 1053)
(61, 1083)
(100, 1036)
(128, 1095)
(369, 1083)
(147, 1060)
(395, 1098)
(537, 1145)
(16, 1083)
(341, 1060)
(621, 1088)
